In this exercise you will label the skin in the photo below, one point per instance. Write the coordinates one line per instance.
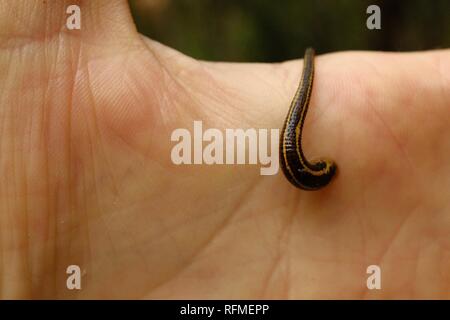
(85, 122)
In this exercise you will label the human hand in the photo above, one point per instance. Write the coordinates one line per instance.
(86, 118)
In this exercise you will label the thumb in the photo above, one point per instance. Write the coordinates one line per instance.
(41, 20)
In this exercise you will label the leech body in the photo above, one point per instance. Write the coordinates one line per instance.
(297, 169)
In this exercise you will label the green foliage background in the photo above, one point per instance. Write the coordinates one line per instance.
(270, 30)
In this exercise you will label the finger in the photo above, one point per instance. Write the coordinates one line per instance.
(41, 20)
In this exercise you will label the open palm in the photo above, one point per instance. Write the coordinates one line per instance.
(86, 118)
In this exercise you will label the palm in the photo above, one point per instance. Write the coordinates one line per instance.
(93, 183)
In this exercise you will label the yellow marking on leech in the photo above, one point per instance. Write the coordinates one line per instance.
(304, 164)
(309, 59)
(288, 119)
(301, 121)
(287, 162)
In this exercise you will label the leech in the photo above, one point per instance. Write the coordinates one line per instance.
(298, 170)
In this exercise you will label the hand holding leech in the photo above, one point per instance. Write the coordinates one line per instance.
(85, 124)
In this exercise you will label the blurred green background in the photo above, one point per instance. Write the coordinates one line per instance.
(270, 30)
